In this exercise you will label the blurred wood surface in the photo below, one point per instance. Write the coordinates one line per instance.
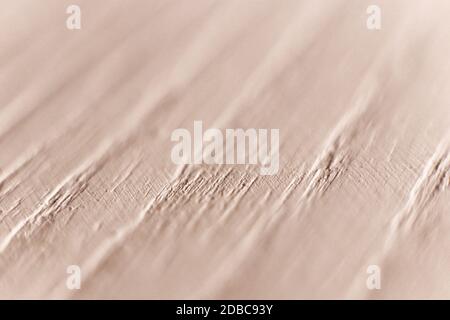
(86, 176)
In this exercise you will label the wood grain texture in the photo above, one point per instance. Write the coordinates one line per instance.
(86, 176)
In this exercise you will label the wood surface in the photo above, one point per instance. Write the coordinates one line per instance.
(86, 176)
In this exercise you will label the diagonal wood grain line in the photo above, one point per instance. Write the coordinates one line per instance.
(433, 180)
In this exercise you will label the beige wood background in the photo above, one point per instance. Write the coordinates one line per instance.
(85, 171)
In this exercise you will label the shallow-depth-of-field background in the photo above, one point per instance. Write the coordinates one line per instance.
(86, 177)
